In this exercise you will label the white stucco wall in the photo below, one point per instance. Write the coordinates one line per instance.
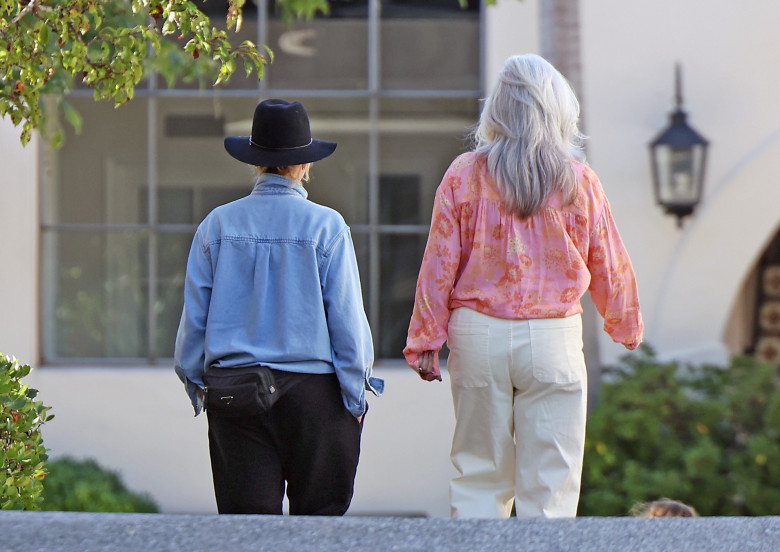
(138, 421)
(688, 278)
(511, 28)
(19, 245)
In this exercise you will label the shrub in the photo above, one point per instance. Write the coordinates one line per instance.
(23, 456)
(85, 486)
(708, 436)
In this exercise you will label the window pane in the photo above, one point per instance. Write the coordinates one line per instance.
(330, 54)
(400, 200)
(199, 163)
(341, 180)
(362, 251)
(338, 9)
(412, 167)
(172, 251)
(194, 172)
(430, 45)
(95, 302)
(96, 177)
(416, 147)
(400, 258)
(428, 8)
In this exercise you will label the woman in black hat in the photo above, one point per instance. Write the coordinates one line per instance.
(272, 283)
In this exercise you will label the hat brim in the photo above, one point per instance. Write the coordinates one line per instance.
(240, 148)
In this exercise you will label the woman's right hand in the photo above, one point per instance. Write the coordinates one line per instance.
(426, 367)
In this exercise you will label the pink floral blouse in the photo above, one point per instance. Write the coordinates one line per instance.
(481, 257)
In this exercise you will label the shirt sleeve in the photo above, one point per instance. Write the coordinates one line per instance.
(431, 314)
(350, 334)
(190, 350)
(613, 286)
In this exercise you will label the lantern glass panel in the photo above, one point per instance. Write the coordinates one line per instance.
(679, 174)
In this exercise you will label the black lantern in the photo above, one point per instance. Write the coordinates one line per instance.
(677, 156)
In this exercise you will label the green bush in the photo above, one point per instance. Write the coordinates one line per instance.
(23, 456)
(705, 435)
(85, 486)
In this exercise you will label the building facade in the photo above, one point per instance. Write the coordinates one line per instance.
(98, 231)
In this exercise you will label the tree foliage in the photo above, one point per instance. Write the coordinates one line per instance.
(22, 454)
(706, 435)
(48, 45)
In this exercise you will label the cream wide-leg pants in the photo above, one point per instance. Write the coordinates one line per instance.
(519, 389)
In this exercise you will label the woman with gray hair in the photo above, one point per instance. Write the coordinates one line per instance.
(521, 229)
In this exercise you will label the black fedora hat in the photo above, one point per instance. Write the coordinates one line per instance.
(281, 137)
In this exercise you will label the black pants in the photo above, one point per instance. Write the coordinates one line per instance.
(307, 439)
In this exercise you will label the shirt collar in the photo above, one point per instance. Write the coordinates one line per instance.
(274, 183)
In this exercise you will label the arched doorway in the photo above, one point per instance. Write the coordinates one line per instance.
(754, 324)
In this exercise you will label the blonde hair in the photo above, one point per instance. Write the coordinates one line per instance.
(283, 171)
(664, 508)
(528, 133)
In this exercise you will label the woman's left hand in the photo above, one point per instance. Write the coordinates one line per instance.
(426, 367)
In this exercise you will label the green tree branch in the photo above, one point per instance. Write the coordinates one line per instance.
(46, 45)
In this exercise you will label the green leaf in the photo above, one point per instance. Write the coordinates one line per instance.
(72, 115)
(18, 403)
(23, 370)
(44, 35)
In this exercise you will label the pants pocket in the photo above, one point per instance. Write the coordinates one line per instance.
(469, 360)
(556, 350)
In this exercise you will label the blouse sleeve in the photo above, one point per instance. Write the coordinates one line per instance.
(428, 326)
(613, 286)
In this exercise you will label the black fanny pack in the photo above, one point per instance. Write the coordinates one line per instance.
(240, 391)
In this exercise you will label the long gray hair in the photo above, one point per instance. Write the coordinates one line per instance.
(528, 133)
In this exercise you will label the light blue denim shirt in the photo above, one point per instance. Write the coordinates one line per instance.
(272, 279)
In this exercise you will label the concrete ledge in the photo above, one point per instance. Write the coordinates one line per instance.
(83, 532)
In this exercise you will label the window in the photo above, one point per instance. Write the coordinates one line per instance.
(394, 82)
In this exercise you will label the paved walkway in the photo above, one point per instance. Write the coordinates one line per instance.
(82, 532)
